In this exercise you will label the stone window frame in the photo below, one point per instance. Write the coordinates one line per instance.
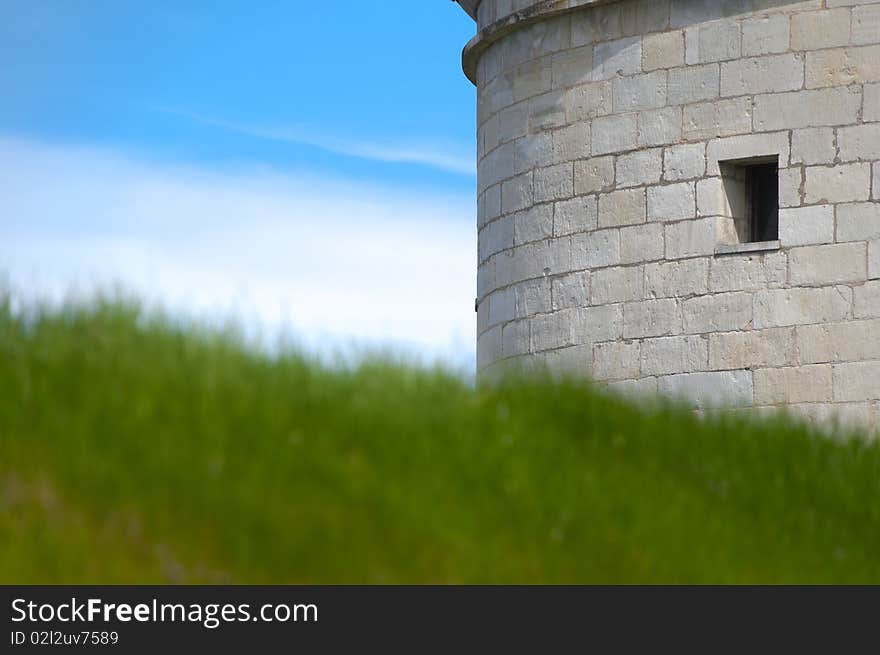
(726, 242)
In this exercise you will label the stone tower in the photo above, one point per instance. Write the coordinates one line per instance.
(683, 196)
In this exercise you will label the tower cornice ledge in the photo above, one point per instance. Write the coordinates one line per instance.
(540, 10)
(470, 6)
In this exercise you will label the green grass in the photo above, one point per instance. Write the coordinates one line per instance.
(133, 450)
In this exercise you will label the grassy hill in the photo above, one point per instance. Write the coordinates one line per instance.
(132, 450)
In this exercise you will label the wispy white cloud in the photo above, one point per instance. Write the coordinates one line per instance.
(443, 157)
(330, 260)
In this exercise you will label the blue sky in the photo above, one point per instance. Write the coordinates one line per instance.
(308, 166)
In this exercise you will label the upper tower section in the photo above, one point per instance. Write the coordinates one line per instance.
(486, 12)
(498, 18)
(683, 196)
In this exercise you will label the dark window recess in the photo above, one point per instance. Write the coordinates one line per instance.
(762, 194)
(751, 187)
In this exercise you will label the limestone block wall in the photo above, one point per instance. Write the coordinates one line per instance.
(604, 219)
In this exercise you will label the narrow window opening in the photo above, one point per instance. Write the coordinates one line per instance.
(751, 208)
(762, 192)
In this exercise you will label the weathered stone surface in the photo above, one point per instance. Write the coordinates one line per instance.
(684, 162)
(791, 181)
(639, 92)
(641, 243)
(718, 119)
(594, 324)
(802, 306)
(595, 249)
(707, 390)
(575, 215)
(535, 260)
(716, 41)
(779, 111)
(807, 384)
(806, 225)
(672, 202)
(874, 260)
(866, 24)
(639, 168)
(748, 272)
(502, 306)
(839, 342)
(622, 208)
(857, 381)
(533, 297)
(587, 27)
(572, 142)
(617, 58)
(765, 35)
(492, 209)
(549, 331)
(618, 284)
(547, 111)
(820, 29)
(531, 79)
(594, 175)
(533, 224)
(712, 198)
(572, 67)
(572, 290)
(586, 101)
(516, 193)
(866, 300)
(485, 278)
(858, 222)
(693, 84)
(717, 313)
(842, 66)
(554, 182)
(813, 146)
(531, 151)
(515, 339)
(858, 143)
(663, 50)
(651, 318)
(616, 360)
(829, 264)
(495, 237)
(834, 184)
(668, 355)
(875, 186)
(659, 126)
(872, 102)
(690, 238)
(752, 349)
(762, 75)
(677, 279)
(615, 133)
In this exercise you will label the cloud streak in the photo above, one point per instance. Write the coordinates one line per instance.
(332, 261)
(458, 161)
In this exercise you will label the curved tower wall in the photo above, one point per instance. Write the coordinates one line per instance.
(609, 134)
